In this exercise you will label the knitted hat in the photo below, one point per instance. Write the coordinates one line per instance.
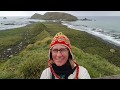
(60, 38)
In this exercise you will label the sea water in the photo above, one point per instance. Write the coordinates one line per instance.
(105, 27)
(15, 22)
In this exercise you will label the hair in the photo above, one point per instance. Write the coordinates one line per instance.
(51, 56)
(70, 56)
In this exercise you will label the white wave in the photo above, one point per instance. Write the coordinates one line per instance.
(95, 31)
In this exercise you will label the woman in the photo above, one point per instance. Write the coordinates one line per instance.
(61, 61)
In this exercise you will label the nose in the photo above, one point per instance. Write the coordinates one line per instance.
(59, 54)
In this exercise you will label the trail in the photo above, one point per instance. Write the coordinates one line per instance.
(14, 50)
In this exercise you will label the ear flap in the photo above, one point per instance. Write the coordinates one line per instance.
(50, 62)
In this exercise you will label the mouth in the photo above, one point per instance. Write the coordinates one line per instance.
(58, 60)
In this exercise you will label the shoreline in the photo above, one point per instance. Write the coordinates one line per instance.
(91, 62)
(112, 46)
(99, 38)
(97, 46)
(105, 41)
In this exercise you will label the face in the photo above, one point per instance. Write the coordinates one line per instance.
(60, 54)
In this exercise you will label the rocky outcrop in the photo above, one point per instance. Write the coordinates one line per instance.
(37, 16)
(86, 19)
(55, 16)
(4, 17)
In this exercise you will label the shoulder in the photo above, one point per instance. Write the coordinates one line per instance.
(46, 74)
(83, 73)
(82, 69)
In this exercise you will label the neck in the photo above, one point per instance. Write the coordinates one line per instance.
(66, 69)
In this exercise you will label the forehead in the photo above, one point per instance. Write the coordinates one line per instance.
(59, 46)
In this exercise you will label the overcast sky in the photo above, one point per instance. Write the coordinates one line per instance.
(75, 13)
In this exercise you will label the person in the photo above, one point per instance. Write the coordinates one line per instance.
(61, 61)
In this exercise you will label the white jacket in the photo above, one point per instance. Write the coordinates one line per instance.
(83, 74)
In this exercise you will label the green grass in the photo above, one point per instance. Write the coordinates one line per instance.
(96, 65)
(87, 50)
(12, 37)
(87, 42)
(30, 62)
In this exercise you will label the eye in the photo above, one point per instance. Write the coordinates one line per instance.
(55, 50)
(62, 50)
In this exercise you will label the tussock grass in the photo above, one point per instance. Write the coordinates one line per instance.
(30, 63)
(96, 65)
(12, 37)
(87, 42)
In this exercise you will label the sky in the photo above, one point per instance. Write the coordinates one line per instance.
(75, 13)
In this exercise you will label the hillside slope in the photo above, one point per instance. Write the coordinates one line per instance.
(33, 59)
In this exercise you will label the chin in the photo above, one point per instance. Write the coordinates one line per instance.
(59, 64)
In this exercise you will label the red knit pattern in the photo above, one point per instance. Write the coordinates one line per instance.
(61, 39)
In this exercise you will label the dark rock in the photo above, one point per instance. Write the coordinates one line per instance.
(4, 17)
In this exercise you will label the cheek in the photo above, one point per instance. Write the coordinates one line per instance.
(66, 55)
(53, 56)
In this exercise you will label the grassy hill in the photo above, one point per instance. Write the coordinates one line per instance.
(87, 42)
(30, 62)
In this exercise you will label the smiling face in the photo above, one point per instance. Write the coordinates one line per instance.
(60, 54)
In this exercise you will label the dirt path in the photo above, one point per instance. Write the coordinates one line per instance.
(14, 50)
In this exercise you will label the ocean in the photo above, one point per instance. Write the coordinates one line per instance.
(15, 22)
(105, 27)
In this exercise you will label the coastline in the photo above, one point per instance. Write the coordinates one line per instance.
(86, 43)
(105, 41)
(98, 38)
(95, 63)
(94, 45)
